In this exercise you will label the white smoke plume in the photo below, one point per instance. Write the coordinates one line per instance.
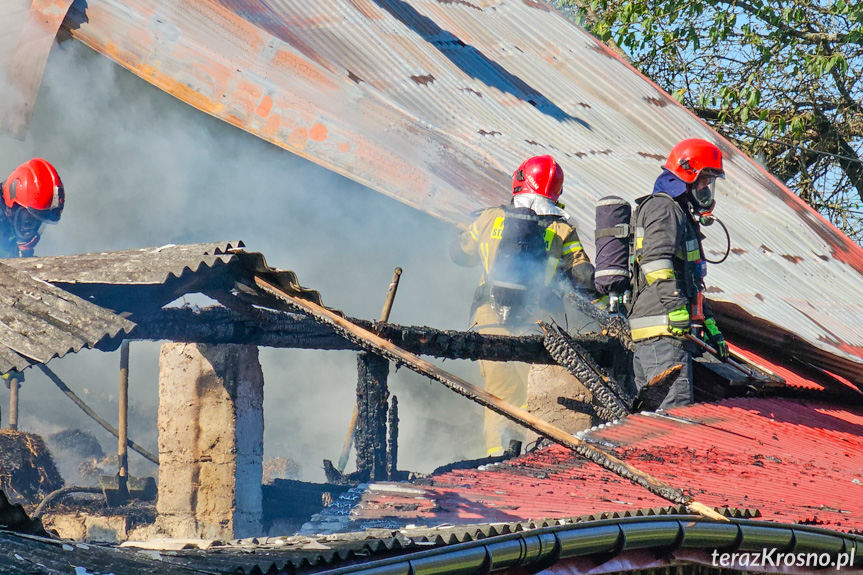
(143, 169)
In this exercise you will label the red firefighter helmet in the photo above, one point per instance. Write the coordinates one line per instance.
(36, 187)
(539, 175)
(689, 158)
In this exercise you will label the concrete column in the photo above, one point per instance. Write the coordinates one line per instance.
(546, 385)
(211, 441)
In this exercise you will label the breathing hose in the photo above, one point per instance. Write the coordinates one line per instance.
(727, 239)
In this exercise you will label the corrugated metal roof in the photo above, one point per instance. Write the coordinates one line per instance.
(434, 103)
(794, 461)
(39, 322)
(27, 31)
(800, 376)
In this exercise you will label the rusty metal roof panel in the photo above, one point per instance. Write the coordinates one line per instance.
(39, 322)
(434, 103)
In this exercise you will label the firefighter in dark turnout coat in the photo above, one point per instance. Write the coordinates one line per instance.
(526, 249)
(670, 268)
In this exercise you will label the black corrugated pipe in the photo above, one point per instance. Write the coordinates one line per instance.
(603, 540)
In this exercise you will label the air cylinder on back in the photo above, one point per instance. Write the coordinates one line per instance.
(613, 216)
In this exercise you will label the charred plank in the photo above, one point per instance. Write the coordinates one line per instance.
(280, 329)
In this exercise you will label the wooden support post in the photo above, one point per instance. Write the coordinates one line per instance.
(371, 431)
(372, 366)
(14, 386)
(123, 424)
(393, 441)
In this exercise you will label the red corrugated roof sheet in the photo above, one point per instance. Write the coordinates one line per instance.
(811, 378)
(796, 461)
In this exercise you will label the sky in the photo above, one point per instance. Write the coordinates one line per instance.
(143, 169)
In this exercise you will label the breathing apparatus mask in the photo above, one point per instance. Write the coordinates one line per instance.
(702, 200)
(703, 196)
(25, 226)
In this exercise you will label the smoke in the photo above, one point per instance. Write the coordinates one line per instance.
(143, 169)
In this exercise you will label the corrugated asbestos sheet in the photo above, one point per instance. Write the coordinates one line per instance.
(794, 461)
(436, 102)
(144, 280)
(637, 544)
(39, 322)
(148, 266)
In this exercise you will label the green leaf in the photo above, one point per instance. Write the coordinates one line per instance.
(753, 98)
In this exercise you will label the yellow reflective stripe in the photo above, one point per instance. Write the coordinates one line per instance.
(497, 229)
(474, 233)
(570, 247)
(663, 274)
(549, 237)
(693, 256)
(483, 254)
(646, 332)
(639, 243)
(550, 269)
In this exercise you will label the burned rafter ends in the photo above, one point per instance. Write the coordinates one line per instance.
(607, 392)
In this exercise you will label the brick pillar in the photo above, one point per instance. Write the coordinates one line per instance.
(211, 441)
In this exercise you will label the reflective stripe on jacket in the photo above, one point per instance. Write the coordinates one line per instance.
(666, 249)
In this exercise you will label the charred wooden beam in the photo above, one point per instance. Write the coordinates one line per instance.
(291, 330)
(377, 344)
(371, 434)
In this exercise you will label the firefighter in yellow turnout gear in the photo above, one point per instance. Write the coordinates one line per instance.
(528, 253)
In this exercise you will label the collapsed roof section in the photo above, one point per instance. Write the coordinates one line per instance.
(51, 306)
(39, 322)
(370, 89)
(144, 280)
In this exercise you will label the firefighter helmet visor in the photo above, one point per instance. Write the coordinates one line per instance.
(704, 190)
